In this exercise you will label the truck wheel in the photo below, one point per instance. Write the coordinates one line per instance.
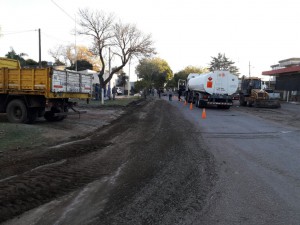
(17, 111)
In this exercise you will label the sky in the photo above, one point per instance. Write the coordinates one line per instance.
(255, 34)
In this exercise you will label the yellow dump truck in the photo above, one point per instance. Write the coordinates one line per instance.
(26, 94)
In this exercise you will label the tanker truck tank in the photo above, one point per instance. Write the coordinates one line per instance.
(214, 88)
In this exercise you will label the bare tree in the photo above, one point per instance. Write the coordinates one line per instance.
(129, 42)
(125, 40)
(98, 25)
(66, 55)
(58, 53)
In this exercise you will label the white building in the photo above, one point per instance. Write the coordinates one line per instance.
(113, 82)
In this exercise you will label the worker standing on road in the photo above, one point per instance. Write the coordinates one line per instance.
(97, 92)
(170, 94)
(145, 92)
(179, 94)
(114, 92)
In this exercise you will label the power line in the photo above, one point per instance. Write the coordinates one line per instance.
(18, 32)
(64, 11)
(55, 38)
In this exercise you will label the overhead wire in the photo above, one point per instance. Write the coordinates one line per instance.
(64, 11)
(55, 38)
(74, 20)
(18, 32)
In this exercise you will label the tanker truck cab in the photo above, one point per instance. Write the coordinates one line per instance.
(211, 89)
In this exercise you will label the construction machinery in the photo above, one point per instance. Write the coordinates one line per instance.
(252, 94)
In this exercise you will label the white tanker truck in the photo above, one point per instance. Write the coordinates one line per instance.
(214, 88)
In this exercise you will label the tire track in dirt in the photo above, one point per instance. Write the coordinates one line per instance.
(38, 177)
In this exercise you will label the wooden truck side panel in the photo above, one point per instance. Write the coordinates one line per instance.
(9, 63)
(24, 81)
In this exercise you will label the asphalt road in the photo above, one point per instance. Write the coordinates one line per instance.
(258, 164)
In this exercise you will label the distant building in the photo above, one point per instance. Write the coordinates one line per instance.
(287, 73)
(113, 82)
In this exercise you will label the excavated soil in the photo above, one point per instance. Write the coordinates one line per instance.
(165, 177)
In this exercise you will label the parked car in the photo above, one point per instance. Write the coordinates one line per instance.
(119, 91)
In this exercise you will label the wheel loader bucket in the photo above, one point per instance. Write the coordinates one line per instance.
(267, 104)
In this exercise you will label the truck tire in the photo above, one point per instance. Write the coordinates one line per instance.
(17, 111)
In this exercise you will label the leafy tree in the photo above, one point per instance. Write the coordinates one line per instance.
(171, 84)
(81, 65)
(125, 40)
(44, 63)
(155, 71)
(183, 74)
(34, 64)
(221, 62)
(57, 62)
(123, 79)
(31, 63)
(13, 55)
(141, 84)
(65, 55)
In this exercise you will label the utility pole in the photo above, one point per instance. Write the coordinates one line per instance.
(75, 45)
(129, 87)
(40, 54)
(109, 71)
(249, 68)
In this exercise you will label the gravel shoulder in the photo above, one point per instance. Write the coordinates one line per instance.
(288, 114)
(44, 133)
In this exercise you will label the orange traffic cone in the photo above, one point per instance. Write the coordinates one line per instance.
(191, 106)
(203, 113)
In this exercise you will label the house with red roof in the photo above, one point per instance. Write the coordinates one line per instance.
(287, 73)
